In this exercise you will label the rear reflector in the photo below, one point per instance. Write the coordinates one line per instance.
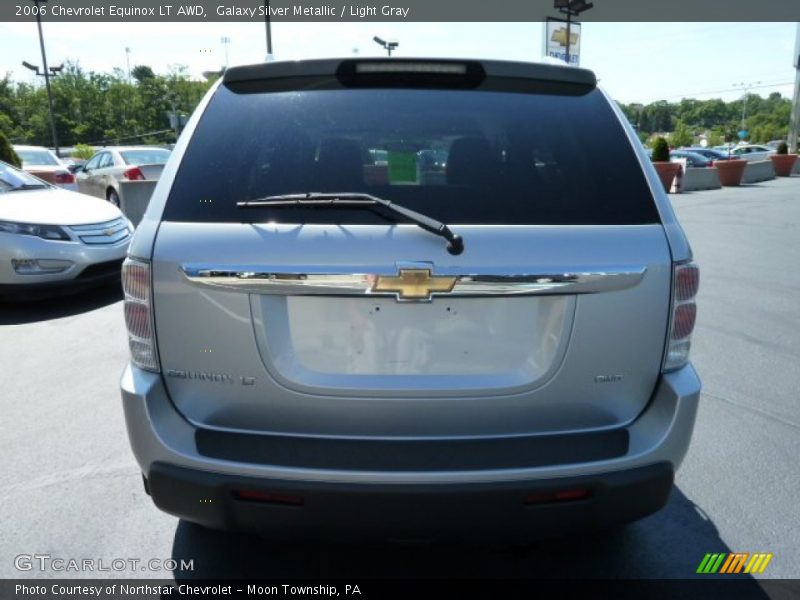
(686, 281)
(549, 497)
(269, 497)
(139, 314)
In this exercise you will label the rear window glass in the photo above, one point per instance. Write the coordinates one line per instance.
(145, 157)
(37, 157)
(469, 157)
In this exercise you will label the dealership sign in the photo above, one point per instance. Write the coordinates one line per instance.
(555, 40)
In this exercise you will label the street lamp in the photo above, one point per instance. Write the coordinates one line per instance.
(388, 45)
(268, 25)
(745, 87)
(47, 73)
(225, 42)
(571, 8)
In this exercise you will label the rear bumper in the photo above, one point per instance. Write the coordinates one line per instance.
(401, 503)
(454, 512)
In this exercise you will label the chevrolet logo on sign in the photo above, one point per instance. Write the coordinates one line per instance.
(414, 284)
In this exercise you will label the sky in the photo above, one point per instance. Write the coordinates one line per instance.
(635, 62)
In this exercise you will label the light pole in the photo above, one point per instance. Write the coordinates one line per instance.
(225, 42)
(388, 45)
(267, 24)
(746, 87)
(128, 61)
(571, 8)
(48, 72)
(794, 119)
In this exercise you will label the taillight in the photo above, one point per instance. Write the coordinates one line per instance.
(133, 174)
(139, 313)
(686, 281)
(62, 177)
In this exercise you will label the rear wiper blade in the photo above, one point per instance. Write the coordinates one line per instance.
(358, 200)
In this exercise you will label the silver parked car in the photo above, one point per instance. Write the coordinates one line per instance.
(102, 174)
(322, 343)
(51, 239)
(752, 152)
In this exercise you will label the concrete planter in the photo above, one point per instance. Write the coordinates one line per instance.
(759, 170)
(701, 179)
(783, 163)
(666, 173)
(730, 171)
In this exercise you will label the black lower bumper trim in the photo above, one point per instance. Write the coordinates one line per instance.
(413, 455)
(66, 286)
(452, 512)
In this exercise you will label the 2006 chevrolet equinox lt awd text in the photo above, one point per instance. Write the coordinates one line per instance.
(409, 299)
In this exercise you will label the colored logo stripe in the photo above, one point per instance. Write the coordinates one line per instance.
(710, 563)
(734, 562)
(758, 563)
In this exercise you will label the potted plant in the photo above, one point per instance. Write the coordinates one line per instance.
(730, 171)
(783, 161)
(666, 170)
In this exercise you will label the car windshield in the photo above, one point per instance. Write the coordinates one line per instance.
(14, 179)
(146, 156)
(37, 157)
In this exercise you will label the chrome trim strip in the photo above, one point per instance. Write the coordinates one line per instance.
(93, 226)
(322, 281)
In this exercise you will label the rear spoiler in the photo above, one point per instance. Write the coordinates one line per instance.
(473, 71)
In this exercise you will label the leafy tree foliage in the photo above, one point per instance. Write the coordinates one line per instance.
(765, 119)
(7, 153)
(95, 108)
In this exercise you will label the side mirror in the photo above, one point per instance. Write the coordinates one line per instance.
(75, 168)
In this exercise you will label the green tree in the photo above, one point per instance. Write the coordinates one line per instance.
(7, 153)
(83, 151)
(682, 136)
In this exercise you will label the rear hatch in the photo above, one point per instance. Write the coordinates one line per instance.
(343, 321)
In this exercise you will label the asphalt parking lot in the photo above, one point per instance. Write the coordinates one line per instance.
(72, 489)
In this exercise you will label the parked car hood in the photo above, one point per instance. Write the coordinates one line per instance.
(55, 206)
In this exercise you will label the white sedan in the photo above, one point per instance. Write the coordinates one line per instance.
(752, 152)
(54, 238)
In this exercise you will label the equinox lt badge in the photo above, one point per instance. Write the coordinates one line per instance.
(210, 377)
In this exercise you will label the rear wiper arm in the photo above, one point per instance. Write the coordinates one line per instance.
(358, 200)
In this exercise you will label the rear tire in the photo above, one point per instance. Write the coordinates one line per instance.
(113, 197)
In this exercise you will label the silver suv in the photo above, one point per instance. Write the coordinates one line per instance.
(331, 332)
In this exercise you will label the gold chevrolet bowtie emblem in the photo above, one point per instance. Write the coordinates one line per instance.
(108, 231)
(414, 284)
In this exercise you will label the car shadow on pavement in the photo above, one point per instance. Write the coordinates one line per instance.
(669, 544)
(34, 310)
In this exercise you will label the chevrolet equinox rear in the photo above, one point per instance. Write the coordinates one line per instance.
(409, 299)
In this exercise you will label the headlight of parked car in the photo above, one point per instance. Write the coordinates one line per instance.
(48, 232)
